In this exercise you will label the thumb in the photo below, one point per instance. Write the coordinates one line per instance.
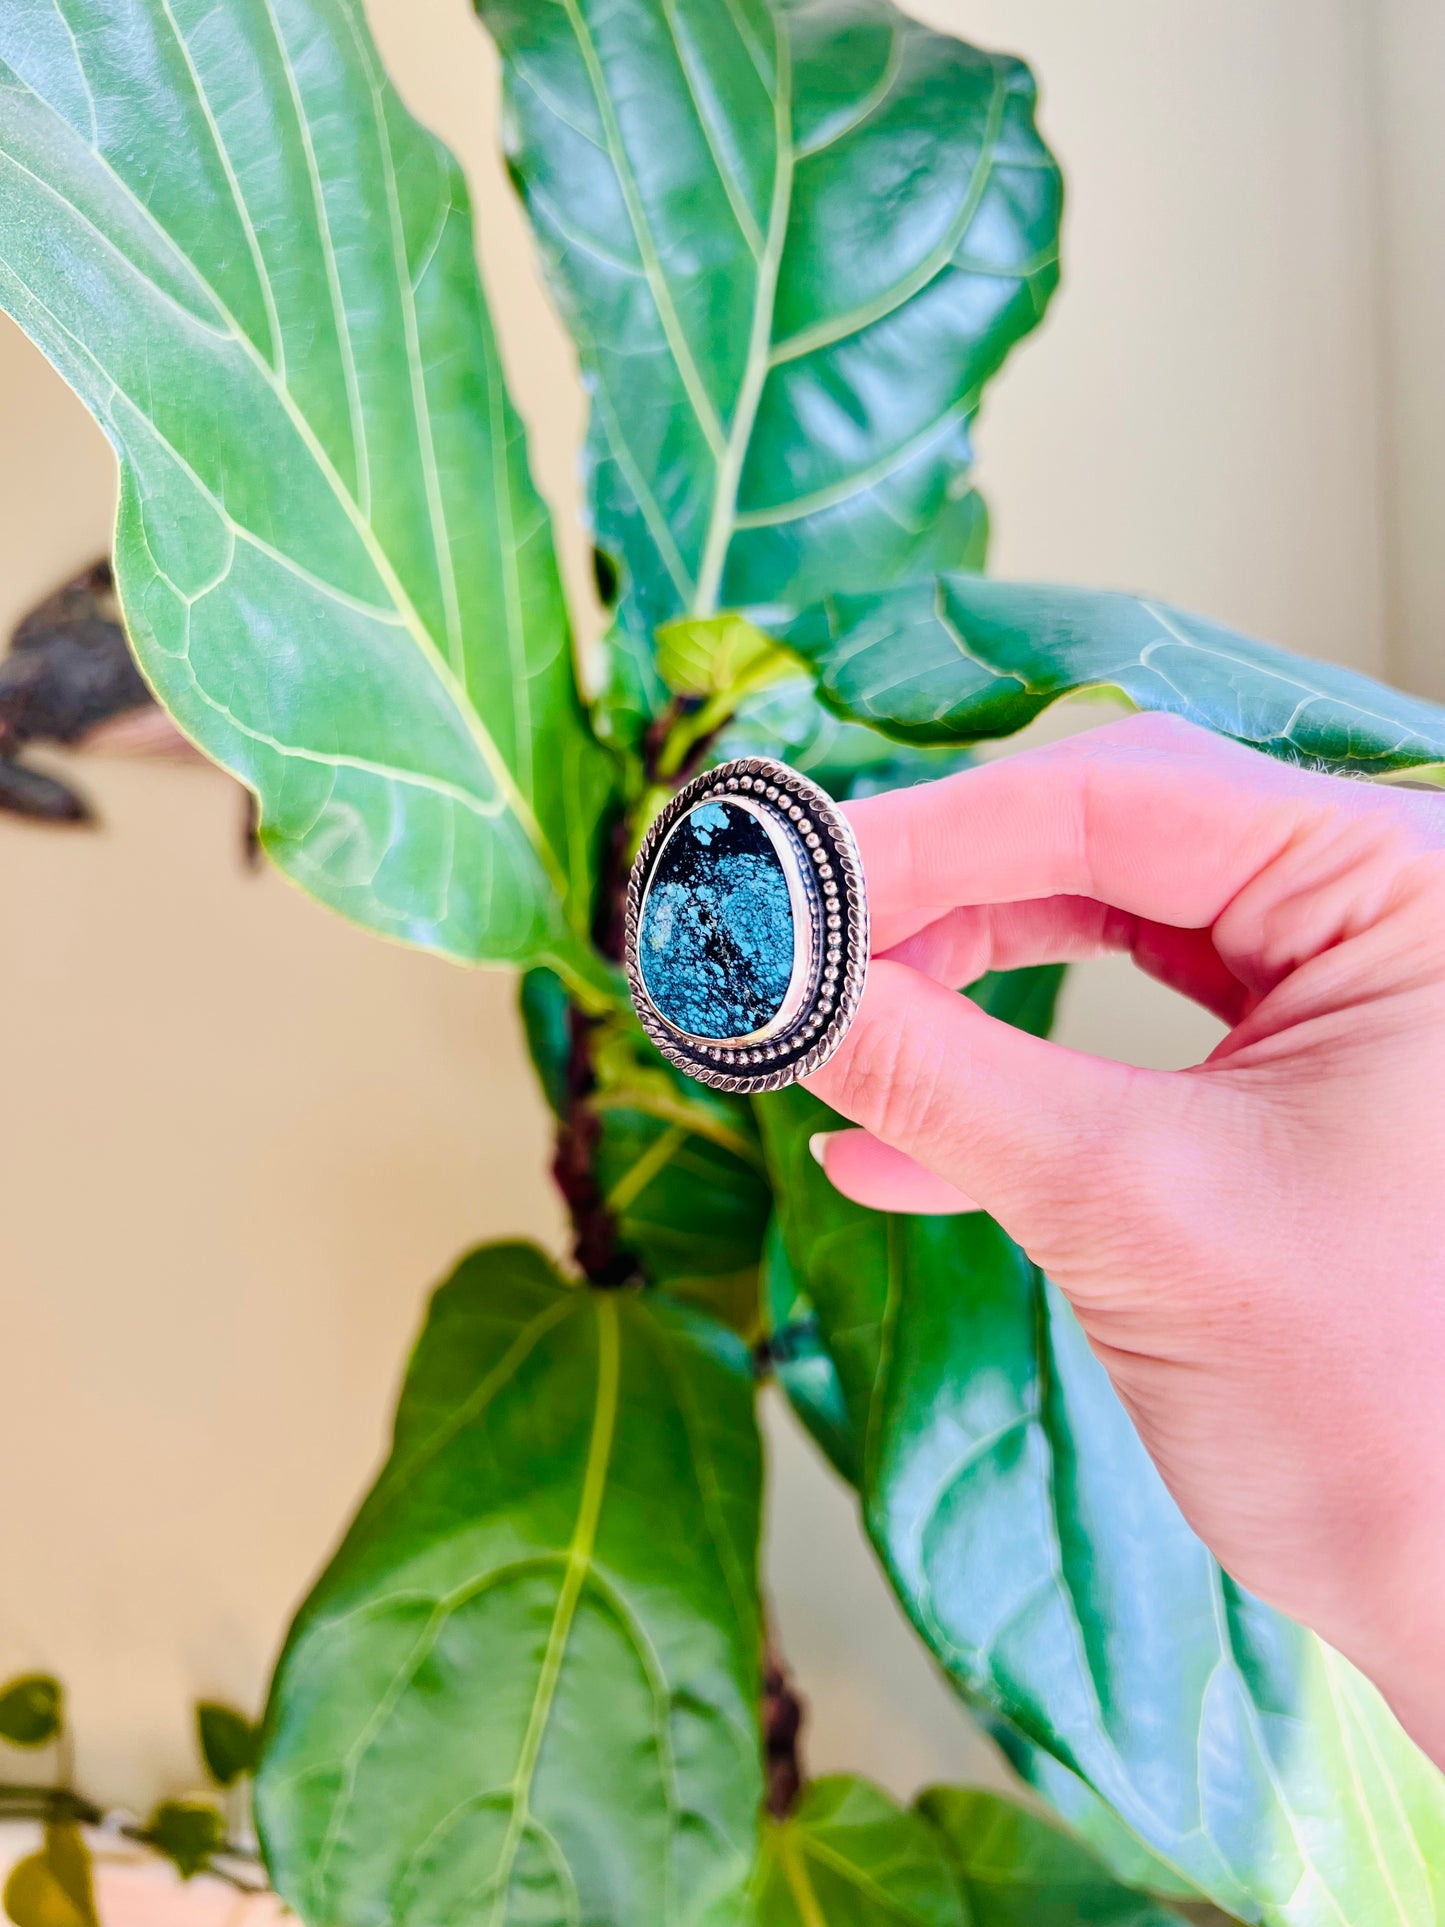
(1036, 1135)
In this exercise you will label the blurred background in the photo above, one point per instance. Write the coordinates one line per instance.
(239, 1141)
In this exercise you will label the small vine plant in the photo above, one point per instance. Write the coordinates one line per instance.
(55, 1886)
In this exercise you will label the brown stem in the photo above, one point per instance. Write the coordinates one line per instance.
(574, 1164)
(782, 1726)
(574, 1167)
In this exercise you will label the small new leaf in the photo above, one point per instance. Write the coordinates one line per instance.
(230, 1743)
(719, 656)
(187, 1832)
(53, 1888)
(717, 661)
(31, 1710)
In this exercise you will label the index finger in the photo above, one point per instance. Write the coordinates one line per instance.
(1151, 815)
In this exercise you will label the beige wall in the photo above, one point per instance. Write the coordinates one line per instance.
(240, 1140)
(1408, 269)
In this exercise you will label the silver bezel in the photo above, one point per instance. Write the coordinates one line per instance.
(825, 877)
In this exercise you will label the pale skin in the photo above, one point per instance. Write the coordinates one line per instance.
(1255, 1246)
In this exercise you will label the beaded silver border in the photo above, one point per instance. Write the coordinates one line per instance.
(823, 837)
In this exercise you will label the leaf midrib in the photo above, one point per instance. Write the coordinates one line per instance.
(579, 1564)
(421, 412)
(722, 521)
(341, 320)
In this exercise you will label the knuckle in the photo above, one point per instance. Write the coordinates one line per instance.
(882, 1084)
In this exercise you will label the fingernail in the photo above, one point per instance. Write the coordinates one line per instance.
(817, 1147)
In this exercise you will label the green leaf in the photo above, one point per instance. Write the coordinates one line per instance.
(32, 1710)
(1087, 1815)
(681, 1171)
(692, 1208)
(718, 656)
(1017, 1870)
(53, 1888)
(801, 1362)
(851, 1857)
(1026, 998)
(526, 1689)
(687, 1206)
(718, 661)
(848, 759)
(1041, 1557)
(187, 1832)
(792, 242)
(961, 658)
(229, 1742)
(547, 1025)
(256, 270)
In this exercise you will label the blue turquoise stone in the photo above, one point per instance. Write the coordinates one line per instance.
(715, 938)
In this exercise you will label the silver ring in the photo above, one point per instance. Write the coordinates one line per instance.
(747, 927)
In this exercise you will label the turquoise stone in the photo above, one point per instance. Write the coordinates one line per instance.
(715, 938)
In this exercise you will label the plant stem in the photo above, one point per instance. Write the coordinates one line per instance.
(782, 1727)
(574, 1166)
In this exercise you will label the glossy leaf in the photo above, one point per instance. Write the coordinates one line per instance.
(803, 1366)
(694, 1208)
(800, 1361)
(961, 658)
(680, 1166)
(851, 1857)
(187, 1833)
(1018, 1870)
(256, 270)
(1088, 1816)
(526, 1688)
(792, 241)
(848, 759)
(32, 1710)
(546, 1012)
(1026, 998)
(53, 1888)
(229, 1742)
(1041, 1557)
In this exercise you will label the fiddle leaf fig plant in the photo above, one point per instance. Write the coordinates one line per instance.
(793, 240)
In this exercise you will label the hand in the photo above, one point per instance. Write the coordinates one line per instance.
(1256, 1246)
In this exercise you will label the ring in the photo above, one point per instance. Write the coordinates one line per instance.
(747, 927)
